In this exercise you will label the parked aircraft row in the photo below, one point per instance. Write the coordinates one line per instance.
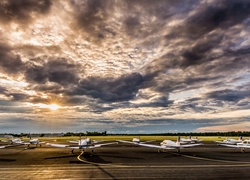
(17, 141)
(87, 143)
(164, 145)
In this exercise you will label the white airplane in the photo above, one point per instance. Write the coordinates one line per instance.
(168, 144)
(191, 140)
(82, 144)
(34, 142)
(12, 140)
(230, 141)
(242, 145)
(135, 141)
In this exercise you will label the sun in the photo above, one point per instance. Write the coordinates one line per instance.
(53, 106)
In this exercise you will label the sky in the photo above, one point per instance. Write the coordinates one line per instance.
(124, 66)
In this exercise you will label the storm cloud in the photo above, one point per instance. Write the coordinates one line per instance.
(22, 11)
(126, 61)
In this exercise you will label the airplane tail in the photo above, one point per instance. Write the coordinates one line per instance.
(80, 141)
(178, 142)
(240, 138)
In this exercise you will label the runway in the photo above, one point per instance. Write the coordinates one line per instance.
(125, 162)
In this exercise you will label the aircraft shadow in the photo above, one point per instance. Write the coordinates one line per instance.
(95, 159)
(7, 160)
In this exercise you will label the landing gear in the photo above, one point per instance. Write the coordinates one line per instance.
(72, 151)
(243, 150)
(159, 151)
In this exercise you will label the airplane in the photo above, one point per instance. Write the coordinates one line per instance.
(242, 145)
(230, 141)
(82, 144)
(34, 142)
(11, 140)
(191, 140)
(135, 141)
(168, 144)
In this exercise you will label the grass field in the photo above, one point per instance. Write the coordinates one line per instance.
(128, 137)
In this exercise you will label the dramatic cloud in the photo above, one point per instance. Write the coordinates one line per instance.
(125, 66)
(22, 11)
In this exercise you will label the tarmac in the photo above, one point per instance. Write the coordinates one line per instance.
(122, 161)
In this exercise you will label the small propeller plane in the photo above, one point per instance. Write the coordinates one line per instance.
(168, 144)
(18, 142)
(191, 140)
(230, 141)
(34, 142)
(82, 144)
(11, 140)
(242, 145)
(135, 141)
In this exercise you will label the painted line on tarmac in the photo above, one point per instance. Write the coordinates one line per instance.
(99, 164)
(209, 159)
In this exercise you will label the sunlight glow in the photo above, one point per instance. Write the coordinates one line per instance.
(49, 106)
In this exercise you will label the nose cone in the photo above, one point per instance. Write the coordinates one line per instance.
(136, 140)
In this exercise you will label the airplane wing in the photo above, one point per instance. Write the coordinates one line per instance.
(235, 146)
(99, 145)
(130, 142)
(147, 141)
(189, 145)
(228, 142)
(63, 146)
(229, 145)
(57, 145)
(7, 146)
(6, 141)
(42, 142)
(155, 146)
(75, 142)
(98, 141)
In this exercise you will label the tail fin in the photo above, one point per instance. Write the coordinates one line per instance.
(240, 138)
(80, 141)
(190, 137)
(178, 142)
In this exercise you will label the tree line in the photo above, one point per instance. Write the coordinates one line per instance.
(104, 133)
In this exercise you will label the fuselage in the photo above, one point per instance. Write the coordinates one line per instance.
(136, 140)
(34, 141)
(169, 143)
